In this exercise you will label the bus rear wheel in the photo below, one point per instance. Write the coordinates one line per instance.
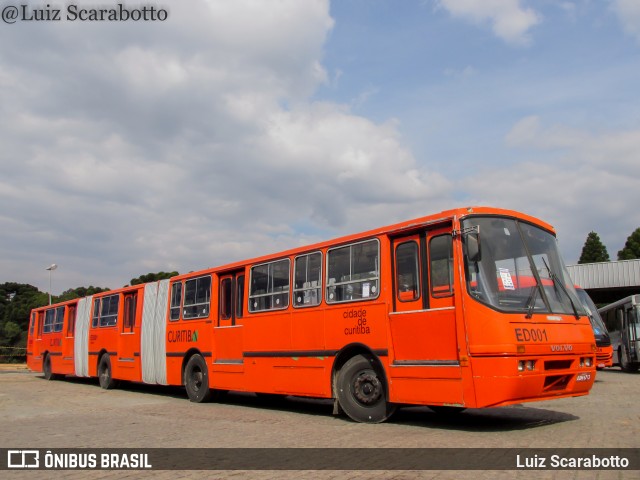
(196, 380)
(46, 369)
(361, 391)
(105, 376)
(625, 364)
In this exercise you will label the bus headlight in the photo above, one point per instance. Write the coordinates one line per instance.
(586, 362)
(529, 365)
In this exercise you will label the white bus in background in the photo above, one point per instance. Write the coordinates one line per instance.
(622, 319)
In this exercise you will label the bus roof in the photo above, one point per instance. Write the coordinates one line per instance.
(632, 299)
(405, 226)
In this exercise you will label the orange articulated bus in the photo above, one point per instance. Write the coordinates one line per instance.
(467, 308)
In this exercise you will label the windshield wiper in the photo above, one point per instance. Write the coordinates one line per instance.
(557, 283)
(531, 302)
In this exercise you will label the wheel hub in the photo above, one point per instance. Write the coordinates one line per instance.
(196, 376)
(367, 388)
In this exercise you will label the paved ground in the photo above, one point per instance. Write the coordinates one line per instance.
(74, 413)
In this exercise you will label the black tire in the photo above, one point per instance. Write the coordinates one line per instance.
(46, 369)
(105, 374)
(196, 380)
(626, 366)
(361, 390)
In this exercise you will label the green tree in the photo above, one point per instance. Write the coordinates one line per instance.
(16, 301)
(152, 277)
(593, 250)
(631, 248)
(79, 292)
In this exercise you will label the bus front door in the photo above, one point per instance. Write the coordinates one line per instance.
(227, 333)
(128, 362)
(423, 329)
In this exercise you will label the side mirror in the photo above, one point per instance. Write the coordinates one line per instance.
(472, 246)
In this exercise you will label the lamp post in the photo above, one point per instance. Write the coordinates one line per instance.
(51, 268)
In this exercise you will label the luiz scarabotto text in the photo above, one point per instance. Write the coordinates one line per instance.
(24, 12)
(564, 462)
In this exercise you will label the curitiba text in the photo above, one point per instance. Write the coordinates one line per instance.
(48, 13)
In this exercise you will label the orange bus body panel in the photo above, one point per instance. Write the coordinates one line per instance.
(123, 347)
(54, 340)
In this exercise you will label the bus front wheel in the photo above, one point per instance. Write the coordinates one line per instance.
(196, 379)
(361, 391)
(105, 374)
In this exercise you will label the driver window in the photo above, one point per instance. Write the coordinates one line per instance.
(441, 265)
(408, 273)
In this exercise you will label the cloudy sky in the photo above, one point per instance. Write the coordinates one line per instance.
(238, 128)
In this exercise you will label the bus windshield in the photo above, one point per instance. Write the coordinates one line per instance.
(599, 329)
(519, 269)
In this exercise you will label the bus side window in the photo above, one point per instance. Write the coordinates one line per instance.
(109, 311)
(408, 272)
(59, 319)
(226, 299)
(128, 324)
(40, 323)
(239, 296)
(441, 265)
(96, 313)
(197, 298)
(71, 324)
(49, 318)
(176, 301)
(353, 272)
(307, 279)
(269, 287)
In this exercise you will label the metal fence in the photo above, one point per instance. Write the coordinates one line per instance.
(13, 355)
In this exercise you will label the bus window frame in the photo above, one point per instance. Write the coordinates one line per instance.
(417, 291)
(225, 299)
(318, 288)
(58, 321)
(199, 315)
(269, 293)
(104, 321)
(129, 312)
(332, 284)
(49, 319)
(72, 315)
(175, 286)
(433, 289)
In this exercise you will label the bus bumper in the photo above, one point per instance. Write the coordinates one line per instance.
(502, 381)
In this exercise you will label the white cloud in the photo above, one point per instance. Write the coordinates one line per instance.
(628, 12)
(186, 144)
(509, 20)
(576, 179)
